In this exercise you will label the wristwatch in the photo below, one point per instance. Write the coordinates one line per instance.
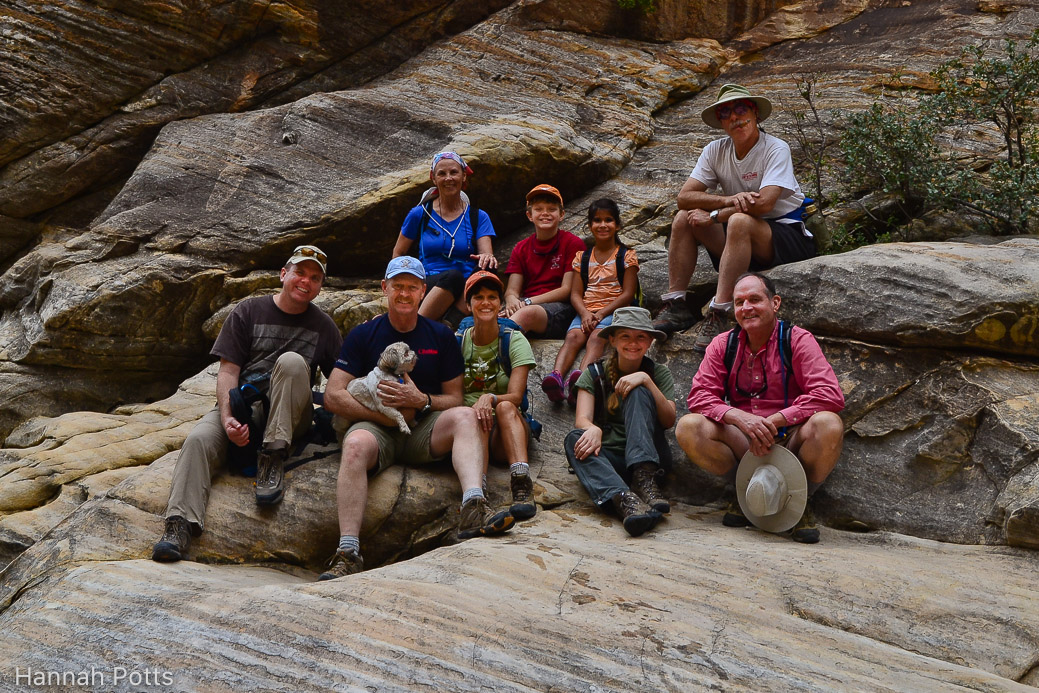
(429, 406)
(527, 301)
(714, 215)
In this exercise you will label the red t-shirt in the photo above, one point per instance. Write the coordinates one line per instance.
(543, 264)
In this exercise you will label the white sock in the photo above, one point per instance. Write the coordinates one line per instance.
(673, 296)
(723, 307)
(520, 468)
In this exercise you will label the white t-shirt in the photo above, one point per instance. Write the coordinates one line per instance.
(767, 163)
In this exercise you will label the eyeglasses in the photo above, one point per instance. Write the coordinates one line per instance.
(311, 251)
(739, 108)
(750, 372)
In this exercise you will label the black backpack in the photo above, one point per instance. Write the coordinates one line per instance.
(622, 249)
(786, 352)
(242, 459)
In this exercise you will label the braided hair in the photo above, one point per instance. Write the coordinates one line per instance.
(611, 366)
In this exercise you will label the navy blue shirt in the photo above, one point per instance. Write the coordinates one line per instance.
(439, 356)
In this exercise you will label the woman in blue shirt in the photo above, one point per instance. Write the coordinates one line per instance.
(450, 248)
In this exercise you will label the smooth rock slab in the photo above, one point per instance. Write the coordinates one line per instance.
(566, 603)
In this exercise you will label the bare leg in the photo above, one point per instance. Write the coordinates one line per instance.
(746, 237)
(436, 303)
(593, 349)
(458, 431)
(681, 253)
(575, 339)
(531, 319)
(712, 446)
(510, 436)
(360, 453)
(818, 443)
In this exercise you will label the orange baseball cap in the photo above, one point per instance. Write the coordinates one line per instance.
(481, 276)
(546, 189)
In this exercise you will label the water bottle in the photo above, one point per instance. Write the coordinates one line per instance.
(816, 223)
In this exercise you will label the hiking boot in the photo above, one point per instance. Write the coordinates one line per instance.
(806, 531)
(552, 386)
(343, 563)
(734, 516)
(523, 507)
(571, 387)
(644, 484)
(675, 317)
(716, 322)
(270, 476)
(174, 542)
(479, 520)
(638, 517)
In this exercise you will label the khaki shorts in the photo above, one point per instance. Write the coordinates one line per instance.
(395, 446)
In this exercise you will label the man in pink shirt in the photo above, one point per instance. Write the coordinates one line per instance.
(753, 405)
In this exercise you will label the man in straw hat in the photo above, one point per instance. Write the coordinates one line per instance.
(742, 203)
(746, 398)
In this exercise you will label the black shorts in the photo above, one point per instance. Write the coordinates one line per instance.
(451, 280)
(789, 244)
(560, 314)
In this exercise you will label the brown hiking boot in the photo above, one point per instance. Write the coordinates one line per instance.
(343, 563)
(174, 542)
(270, 476)
(479, 520)
(734, 516)
(644, 484)
(716, 322)
(806, 531)
(675, 317)
(637, 516)
(523, 507)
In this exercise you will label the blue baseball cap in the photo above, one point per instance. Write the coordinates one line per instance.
(405, 264)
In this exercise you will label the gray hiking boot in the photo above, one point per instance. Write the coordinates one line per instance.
(270, 476)
(714, 324)
(644, 484)
(675, 317)
(478, 519)
(638, 517)
(343, 563)
(523, 507)
(174, 542)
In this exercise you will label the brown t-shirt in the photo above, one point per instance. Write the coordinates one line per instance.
(257, 332)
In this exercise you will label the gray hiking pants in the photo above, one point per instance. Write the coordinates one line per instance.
(205, 450)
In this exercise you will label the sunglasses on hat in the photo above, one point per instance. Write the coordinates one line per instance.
(311, 251)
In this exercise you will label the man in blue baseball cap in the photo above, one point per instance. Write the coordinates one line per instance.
(430, 397)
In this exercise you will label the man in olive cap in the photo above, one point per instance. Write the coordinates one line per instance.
(742, 203)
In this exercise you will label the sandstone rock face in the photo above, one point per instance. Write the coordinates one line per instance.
(305, 135)
(93, 84)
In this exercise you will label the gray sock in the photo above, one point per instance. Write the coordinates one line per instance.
(520, 468)
(471, 493)
(350, 543)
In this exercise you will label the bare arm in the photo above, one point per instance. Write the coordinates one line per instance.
(665, 406)
(226, 380)
(402, 246)
(562, 294)
(485, 253)
(590, 442)
(513, 292)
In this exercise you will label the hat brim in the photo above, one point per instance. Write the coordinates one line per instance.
(763, 104)
(796, 483)
(611, 328)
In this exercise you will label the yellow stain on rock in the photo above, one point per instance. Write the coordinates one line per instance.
(990, 330)
(1023, 331)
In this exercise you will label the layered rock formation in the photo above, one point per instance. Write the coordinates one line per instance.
(934, 345)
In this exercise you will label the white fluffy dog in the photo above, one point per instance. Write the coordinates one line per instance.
(396, 360)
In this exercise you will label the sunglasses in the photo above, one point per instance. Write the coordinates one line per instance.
(739, 108)
(311, 251)
(751, 394)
